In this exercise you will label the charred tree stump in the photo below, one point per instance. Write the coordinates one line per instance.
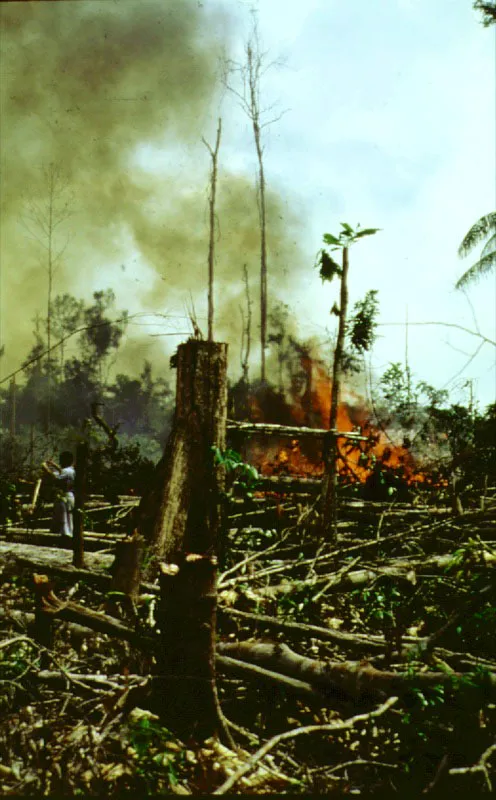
(186, 508)
(126, 574)
(79, 501)
(187, 693)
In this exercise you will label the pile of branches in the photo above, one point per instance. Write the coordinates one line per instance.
(368, 667)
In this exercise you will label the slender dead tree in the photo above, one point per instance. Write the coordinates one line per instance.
(246, 328)
(42, 219)
(214, 152)
(250, 75)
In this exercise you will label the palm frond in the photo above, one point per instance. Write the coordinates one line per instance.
(490, 246)
(481, 267)
(477, 233)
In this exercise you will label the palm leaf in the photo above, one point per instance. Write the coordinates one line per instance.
(490, 246)
(477, 233)
(481, 267)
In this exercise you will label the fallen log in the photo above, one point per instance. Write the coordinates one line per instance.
(42, 538)
(270, 429)
(245, 670)
(347, 640)
(356, 680)
(49, 606)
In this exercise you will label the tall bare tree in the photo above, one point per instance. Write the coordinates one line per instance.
(214, 152)
(249, 75)
(42, 219)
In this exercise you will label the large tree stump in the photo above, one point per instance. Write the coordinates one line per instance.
(186, 507)
(188, 695)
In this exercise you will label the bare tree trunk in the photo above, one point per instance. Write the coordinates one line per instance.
(249, 97)
(263, 247)
(211, 242)
(329, 487)
(186, 509)
(246, 331)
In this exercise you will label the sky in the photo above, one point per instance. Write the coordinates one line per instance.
(384, 115)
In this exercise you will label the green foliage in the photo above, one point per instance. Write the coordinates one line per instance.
(16, 659)
(160, 759)
(328, 267)
(298, 602)
(407, 402)
(483, 229)
(363, 324)
(121, 471)
(380, 604)
(488, 10)
(246, 475)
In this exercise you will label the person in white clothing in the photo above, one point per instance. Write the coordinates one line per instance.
(63, 477)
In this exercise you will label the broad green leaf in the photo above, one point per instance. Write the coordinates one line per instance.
(330, 239)
(366, 232)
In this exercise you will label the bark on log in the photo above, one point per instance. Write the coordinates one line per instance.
(186, 509)
(49, 606)
(346, 640)
(293, 431)
(187, 646)
(355, 680)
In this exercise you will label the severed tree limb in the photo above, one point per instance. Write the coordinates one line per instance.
(298, 687)
(349, 640)
(50, 606)
(356, 680)
(292, 734)
(480, 766)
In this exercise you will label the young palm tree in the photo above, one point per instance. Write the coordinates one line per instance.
(484, 229)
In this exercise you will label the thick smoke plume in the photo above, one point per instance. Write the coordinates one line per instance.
(92, 87)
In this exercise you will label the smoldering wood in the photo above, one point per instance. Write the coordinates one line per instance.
(183, 513)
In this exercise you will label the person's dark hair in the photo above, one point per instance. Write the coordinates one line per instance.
(66, 459)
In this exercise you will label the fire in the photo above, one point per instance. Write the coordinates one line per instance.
(309, 405)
